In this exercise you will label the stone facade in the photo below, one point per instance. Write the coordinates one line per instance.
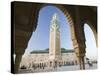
(68, 58)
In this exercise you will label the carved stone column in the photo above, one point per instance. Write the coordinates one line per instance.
(21, 42)
(17, 62)
(25, 22)
(78, 37)
(79, 48)
(80, 53)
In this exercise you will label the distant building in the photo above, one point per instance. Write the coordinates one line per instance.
(42, 57)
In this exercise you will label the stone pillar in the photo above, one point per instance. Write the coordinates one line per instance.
(78, 37)
(17, 62)
(80, 53)
(25, 22)
(79, 48)
(21, 42)
(19, 51)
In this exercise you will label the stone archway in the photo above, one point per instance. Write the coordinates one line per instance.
(25, 21)
(73, 20)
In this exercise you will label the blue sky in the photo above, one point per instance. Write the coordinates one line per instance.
(40, 38)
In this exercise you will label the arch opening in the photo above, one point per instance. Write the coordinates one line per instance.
(44, 27)
(91, 49)
(90, 24)
(39, 40)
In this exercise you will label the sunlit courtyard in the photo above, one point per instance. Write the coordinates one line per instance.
(62, 68)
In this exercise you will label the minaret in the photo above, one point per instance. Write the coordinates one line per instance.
(55, 47)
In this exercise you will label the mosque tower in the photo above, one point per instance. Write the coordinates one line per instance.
(55, 45)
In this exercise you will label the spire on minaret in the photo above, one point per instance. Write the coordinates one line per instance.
(55, 16)
(55, 23)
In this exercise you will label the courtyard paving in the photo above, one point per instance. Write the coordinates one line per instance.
(63, 68)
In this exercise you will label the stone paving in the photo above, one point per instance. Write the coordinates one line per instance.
(63, 68)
